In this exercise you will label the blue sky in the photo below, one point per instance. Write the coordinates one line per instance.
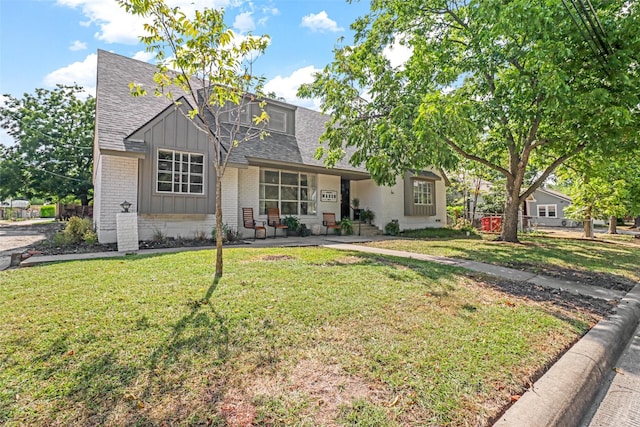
(44, 42)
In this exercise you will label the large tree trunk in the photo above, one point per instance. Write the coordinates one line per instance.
(510, 221)
(613, 222)
(219, 231)
(510, 218)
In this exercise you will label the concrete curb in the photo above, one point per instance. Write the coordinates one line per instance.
(564, 394)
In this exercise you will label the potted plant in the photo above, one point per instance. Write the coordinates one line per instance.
(304, 231)
(346, 226)
(367, 216)
(293, 223)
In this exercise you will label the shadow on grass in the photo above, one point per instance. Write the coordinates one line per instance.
(438, 274)
(99, 386)
(545, 250)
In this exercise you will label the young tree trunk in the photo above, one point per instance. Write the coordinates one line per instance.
(613, 222)
(219, 234)
(636, 222)
(588, 230)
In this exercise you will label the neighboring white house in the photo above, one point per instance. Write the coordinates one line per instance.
(148, 153)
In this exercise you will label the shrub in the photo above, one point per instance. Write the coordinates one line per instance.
(304, 231)
(199, 235)
(158, 235)
(90, 238)
(77, 230)
(367, 215)
(346, 226)
(48, 211)
(292, 222)
(392, 228)
(463, 225)
(61, 239)
(229, 234)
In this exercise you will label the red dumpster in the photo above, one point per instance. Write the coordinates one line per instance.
(492, 224)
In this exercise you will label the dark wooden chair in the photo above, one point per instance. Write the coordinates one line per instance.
(273, 220)
(329, 221)
(250, 223)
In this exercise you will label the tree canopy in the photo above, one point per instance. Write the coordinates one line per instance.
(517, 86)
(201, 58)
(53, 154)
(602, 187)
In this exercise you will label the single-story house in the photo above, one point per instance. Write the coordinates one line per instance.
(545, 207)
(150, 154)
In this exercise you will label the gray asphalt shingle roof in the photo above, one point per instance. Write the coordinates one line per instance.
(119, 114)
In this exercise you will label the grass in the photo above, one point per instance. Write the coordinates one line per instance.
(288, 337)
(536, 250)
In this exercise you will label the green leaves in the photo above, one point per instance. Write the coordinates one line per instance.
(200, 58)
(513, 86)
(53, 130)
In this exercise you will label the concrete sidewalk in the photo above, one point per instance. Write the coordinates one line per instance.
(571, 391)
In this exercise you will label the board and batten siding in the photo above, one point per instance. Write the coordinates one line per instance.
(173, 130)
(411, 209)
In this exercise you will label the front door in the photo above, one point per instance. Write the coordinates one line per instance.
(345, 202)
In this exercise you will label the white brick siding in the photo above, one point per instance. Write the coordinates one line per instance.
(230, 197)
(248, 195)
(116, 181)
(175, 225)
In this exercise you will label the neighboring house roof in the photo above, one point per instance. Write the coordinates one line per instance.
(554, 193)
(18, 204)
(119, 116)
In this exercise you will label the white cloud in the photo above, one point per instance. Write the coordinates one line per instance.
(77, 45)
(244, 22)
(397, 54)
(81, 73)
(320, 22)
(287, 87)
(117, 26)
(144, 56)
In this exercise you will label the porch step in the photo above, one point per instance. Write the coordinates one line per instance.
(366, 229)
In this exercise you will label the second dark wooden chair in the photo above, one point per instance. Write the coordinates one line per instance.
(273, 220)
(250, 223)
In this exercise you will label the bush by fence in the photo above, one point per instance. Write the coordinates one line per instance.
(48, 211)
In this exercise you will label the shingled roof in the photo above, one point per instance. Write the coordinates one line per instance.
(119, 114)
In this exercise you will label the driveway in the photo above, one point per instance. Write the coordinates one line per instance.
(15, 236)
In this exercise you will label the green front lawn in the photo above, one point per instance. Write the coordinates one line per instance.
(583, 255)
(287, 337)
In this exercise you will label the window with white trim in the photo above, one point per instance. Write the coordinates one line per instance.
(293, 193)
(548, 211)
(422, 193)
(180, 172)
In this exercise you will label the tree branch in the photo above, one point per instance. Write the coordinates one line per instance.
(557, 162)
(466, 155)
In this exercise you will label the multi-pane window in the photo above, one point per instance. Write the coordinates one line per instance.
(422, 193)
(548, 211)
(292, 192)
(180, 172)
